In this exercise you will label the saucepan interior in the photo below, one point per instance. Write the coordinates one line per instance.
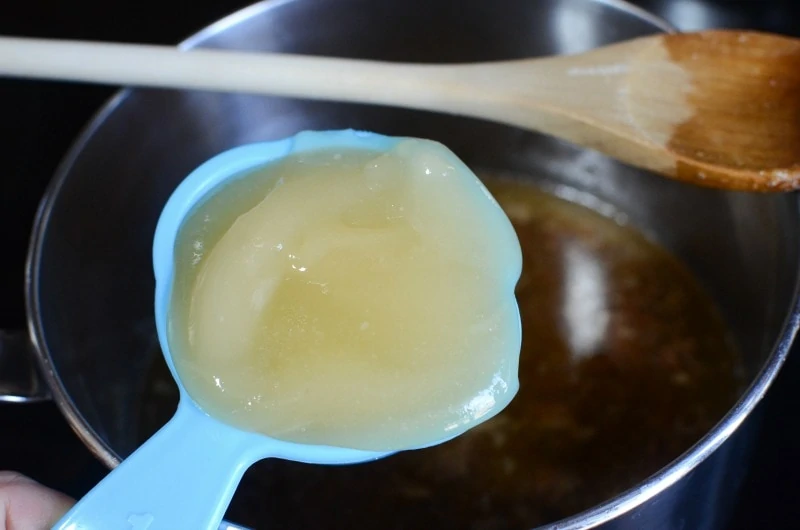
(91, 285)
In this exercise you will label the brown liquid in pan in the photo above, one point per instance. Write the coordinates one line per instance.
(625, 364)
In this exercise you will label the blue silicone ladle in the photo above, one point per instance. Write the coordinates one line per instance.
(184, 476)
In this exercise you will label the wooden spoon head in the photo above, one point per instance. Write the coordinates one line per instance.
(743, 132)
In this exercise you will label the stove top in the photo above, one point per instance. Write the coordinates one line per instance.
(40, 120)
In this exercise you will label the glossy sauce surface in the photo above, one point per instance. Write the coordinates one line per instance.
(357, 299)
(626, 363)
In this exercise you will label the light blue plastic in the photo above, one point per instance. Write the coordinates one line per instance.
(184, 476)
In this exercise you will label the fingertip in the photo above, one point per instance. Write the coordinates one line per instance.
(27, 505)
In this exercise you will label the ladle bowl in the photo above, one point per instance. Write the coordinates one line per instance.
(185, 475)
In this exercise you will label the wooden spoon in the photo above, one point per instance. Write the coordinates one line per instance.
(715, 108)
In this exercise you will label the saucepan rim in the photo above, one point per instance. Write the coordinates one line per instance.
(590, 518)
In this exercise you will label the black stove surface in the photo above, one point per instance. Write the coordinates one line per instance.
(40, 120)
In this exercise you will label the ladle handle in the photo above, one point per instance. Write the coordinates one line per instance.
(183, 477)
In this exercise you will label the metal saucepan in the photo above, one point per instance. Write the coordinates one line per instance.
(90, 287)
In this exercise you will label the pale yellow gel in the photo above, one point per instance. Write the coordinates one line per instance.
(362, 300)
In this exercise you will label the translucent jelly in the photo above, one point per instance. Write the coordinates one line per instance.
(352, 298)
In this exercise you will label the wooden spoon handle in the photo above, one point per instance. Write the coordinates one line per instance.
(404, 85)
